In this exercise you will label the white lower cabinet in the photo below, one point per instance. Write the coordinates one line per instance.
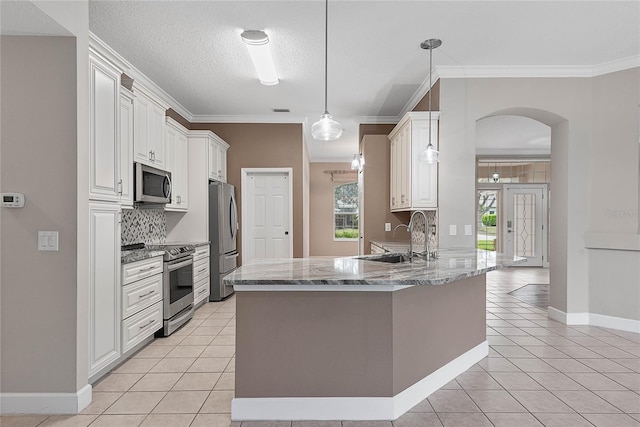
(104, 286)
(139, 295)
(141, 303)
(142, 325)
(201, 287)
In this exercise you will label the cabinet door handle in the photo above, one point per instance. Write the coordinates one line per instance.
(402, 198)
(201, 270)
(142, 270)
(120, 187)
(150, 155)
(147, 294)
(178, 199)
(202, 291)
(147, 324)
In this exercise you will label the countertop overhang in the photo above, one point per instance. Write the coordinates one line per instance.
(362, 274)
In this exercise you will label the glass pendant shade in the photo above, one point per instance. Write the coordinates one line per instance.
(355, 163)
(326, 129)
(358, 162)
(429, 155)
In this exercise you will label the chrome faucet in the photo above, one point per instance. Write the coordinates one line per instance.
(408, 227)
(426, 235)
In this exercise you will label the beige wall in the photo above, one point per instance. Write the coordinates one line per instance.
(256, 145)
(39, 148)
(375, 149)
(321, 211)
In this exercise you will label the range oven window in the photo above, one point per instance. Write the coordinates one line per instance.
(181, 281)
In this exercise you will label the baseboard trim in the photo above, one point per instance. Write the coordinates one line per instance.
(594, 319)
(355, 408)
(45, 403)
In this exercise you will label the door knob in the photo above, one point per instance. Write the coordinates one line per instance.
(286, 233)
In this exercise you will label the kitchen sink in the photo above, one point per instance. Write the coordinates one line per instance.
(388, 258)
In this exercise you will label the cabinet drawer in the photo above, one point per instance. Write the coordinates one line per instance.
(141, 294)
(200, 270)
(141, 269)
(201, 252)
(201, 290)
(140, 326)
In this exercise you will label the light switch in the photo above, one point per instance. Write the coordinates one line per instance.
(47, 240)
(468, 230)
(387, 226)
(453, 230)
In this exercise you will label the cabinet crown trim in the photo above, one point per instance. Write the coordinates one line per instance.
(177, 126)
(414, 115)
(209, 134)
(137, 87)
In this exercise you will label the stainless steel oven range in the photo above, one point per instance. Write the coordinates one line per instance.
(177, 286)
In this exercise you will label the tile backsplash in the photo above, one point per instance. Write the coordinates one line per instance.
(418, 230)
(143, 226)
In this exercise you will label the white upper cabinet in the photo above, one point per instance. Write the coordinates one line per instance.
(217, 158)
(126, 147)
(104, 127)
(149, 120)
(413, 183)
(176, 138)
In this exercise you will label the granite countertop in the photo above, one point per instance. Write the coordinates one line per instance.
(363, 274)
(134, 255)
(185, 242)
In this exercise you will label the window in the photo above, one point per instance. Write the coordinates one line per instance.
(345, 211)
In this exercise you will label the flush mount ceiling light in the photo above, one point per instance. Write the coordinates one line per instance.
(326, 129)
(257, 43)
(430, 154)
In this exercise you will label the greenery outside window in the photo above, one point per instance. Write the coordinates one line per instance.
(345, 211)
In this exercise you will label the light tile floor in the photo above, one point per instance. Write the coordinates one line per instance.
(538, 373)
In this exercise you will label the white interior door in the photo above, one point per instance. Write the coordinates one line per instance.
(524, 222)
(266, 214)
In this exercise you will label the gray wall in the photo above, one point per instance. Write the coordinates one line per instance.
(586, 115)
(614, 275)
(39, 140)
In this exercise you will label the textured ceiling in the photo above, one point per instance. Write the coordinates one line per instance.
(193, 50)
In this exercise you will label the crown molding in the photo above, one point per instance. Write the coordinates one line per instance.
(377, 120)
(420, 92)
(246, 119)
(617, 65)
(98, 46)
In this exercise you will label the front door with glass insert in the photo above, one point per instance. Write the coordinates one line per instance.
(524, 222)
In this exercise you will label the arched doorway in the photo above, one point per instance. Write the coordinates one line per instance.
(513, 174)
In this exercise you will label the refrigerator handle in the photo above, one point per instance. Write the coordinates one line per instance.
(233, 217)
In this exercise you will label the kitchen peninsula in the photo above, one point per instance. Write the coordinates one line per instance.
(356, 337)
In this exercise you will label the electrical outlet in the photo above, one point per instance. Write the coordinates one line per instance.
(468, 230)
(453, 230)
(387, 226)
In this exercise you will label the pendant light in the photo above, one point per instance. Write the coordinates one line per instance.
(326, 129)
(430, 154)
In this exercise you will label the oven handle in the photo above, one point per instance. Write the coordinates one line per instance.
(178, 265)
(231, 256)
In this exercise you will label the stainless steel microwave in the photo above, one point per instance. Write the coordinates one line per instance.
(151, 185)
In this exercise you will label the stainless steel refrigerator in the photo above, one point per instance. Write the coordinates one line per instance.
(223, 229)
